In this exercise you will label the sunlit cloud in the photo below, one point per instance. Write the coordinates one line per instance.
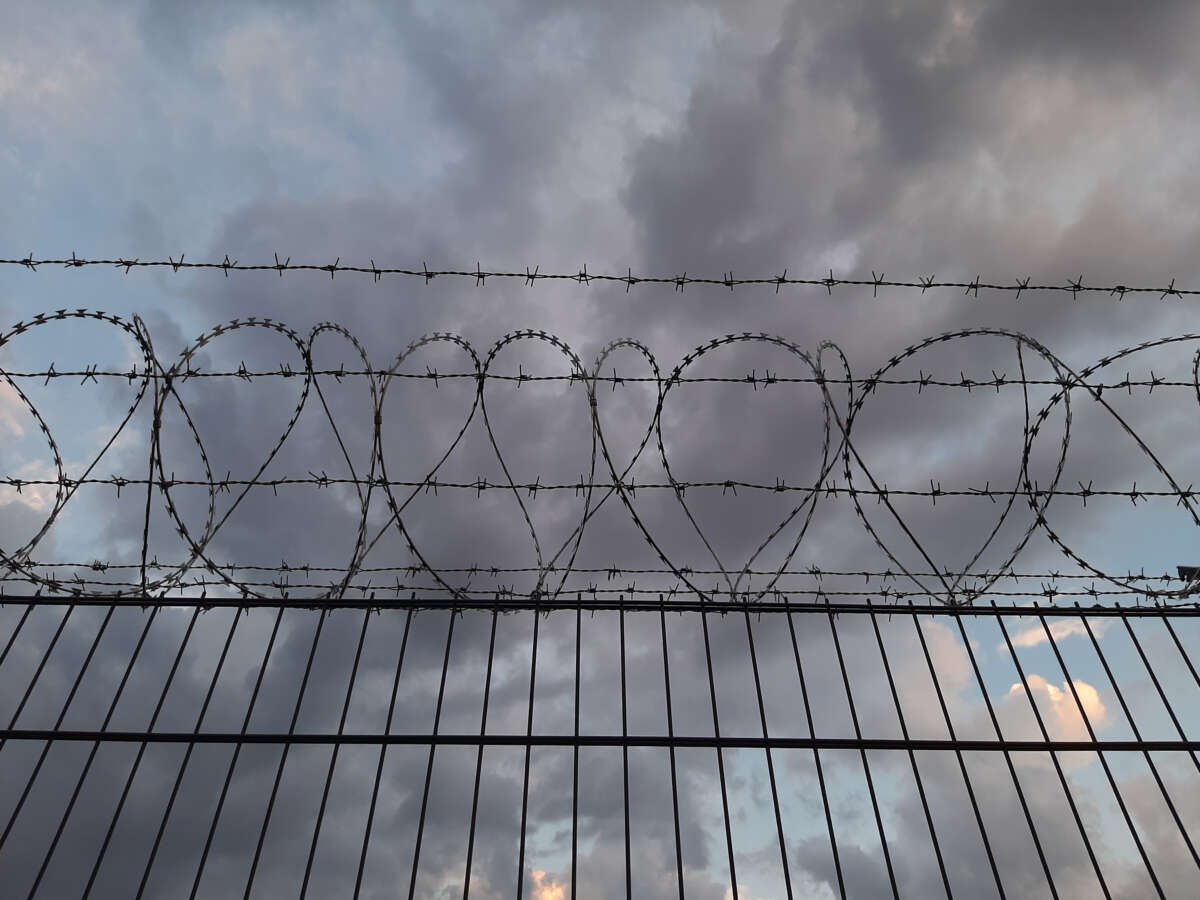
(1035, 635)
(11, 411)
(546, 888)
(1060, 709)
(35, 496)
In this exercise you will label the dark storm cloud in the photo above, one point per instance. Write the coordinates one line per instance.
(928, 137)
(922, 69)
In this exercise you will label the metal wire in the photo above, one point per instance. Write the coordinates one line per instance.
(530, 276)
(603, 482)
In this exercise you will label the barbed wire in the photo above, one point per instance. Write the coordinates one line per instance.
(289, 579)
(530, 276)
(609, 571)
(505, 595)
(630, 486)
(879, 585)
(92, 373)
(842, 473)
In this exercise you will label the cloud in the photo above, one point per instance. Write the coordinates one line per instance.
(546, 888)
(1060, 707)
(37, 497)
(12, 411)
(947, 138)
(1035, 635)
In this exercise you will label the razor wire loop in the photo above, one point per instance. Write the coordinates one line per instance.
(849, 465)
(844, 398)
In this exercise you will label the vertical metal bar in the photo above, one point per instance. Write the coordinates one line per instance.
(1012, 769)
(283, 755)
(662, 617)
(1187, 660)
(87, 766)
(808, 716)
(137, 760)
(1062, 778)
(187, 756)
(712, 693)
(1158, 687)
(575, 763)
(62, 714)
(362, 859)
(962, 765)
(762, 717)
(333, 757)
(625, 756)
(887, 856)
(12, 638)
(912, 757)
(1138, 735)
(237, 750)
(528, 749)
(62, 624)
(1112, 781)
(487, 691)
(437, 719)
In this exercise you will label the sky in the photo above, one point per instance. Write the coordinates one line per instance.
(915, 139)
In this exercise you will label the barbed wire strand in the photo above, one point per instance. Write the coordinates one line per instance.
(530, 276)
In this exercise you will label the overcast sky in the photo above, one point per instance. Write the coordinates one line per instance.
(945, 139)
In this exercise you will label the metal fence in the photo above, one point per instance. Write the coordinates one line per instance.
(180, 724)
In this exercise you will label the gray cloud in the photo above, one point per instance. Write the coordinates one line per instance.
(948, 139)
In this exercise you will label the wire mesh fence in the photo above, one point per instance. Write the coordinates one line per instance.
(901, 749)
(468, 675)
